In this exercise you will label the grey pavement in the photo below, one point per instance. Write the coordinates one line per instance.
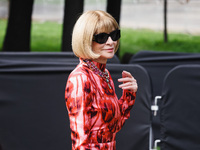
(136, 14)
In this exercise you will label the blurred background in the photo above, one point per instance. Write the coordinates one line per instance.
(182, 14)
(157, 34)
(141, 21)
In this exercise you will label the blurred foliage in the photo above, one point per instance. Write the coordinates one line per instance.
(46, 36)
(2, 31)
(133, 41)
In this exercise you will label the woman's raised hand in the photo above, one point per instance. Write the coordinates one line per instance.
(129, 82)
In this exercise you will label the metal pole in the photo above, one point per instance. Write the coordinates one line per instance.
(165, 22)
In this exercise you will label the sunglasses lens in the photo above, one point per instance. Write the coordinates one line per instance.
(101, 38)
(115, 35)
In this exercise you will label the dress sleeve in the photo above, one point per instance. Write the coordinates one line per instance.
(81, 111)
(126, 102)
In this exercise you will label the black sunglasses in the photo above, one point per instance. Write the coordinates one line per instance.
(103, 37)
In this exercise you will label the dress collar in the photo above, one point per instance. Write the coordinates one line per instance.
(101, 66)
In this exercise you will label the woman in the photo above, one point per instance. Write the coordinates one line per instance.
(95, 112)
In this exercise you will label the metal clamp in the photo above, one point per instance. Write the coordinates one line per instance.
(156, 144)
(155, 106)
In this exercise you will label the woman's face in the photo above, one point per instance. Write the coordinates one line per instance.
(105, 50)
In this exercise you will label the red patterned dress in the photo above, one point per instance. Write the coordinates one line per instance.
(95, 112)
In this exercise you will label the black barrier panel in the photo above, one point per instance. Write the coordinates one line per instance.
(53, 57)
(180, 109)
(158, 64)
(135, 133)
(32, 106)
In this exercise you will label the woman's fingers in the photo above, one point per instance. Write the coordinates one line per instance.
(127, 79)
(129, 86)
(129, 82)
(126, 74)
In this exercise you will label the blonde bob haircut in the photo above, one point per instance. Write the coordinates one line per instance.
(88, 24)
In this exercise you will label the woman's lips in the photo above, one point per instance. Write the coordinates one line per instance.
(110, 49)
